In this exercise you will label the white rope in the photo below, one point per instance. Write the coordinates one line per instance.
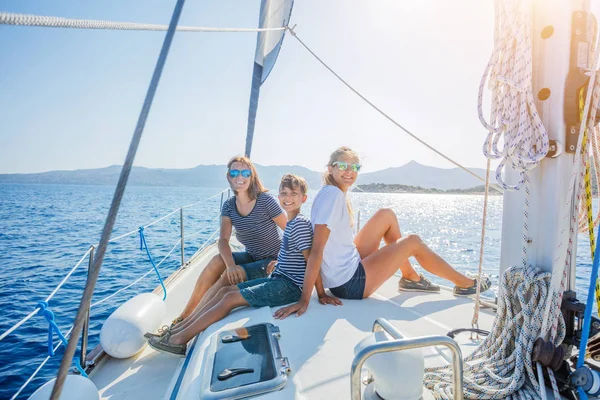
(207, 241)
(203, 200)
(124, 235)
(204, 228)
(161, 218)
(35, 311)
(514, 118)
(501, 366)
(139, 279)
(68, 275)
(28, 381)
(60, 22)
(18, 324)
(393, 121)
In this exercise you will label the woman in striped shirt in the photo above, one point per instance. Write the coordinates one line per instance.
(255, 216)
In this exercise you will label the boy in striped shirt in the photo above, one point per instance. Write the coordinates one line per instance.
(283, 286)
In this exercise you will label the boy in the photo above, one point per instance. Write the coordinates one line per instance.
(284, 286)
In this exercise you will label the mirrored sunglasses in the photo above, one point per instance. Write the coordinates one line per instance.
(343, 165)
(234, 173)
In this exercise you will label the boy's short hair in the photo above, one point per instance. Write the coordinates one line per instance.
(292, 182)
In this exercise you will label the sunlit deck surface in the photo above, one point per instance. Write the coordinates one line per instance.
(319, 345)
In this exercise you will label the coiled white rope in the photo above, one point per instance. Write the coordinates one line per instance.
(60, 22)
(514, 117)
(501, 366)
(529, 308)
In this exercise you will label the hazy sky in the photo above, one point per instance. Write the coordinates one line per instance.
(69, 99)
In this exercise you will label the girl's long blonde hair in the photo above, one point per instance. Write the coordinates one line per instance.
(256, 185)
(328, 178)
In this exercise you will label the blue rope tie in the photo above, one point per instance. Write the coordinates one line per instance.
(145, 245)
(49, 315)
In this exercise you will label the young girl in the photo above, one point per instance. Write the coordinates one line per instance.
(353, 268)
(255, 216)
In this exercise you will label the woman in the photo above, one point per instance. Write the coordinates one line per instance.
(354, 268)
(255, 216)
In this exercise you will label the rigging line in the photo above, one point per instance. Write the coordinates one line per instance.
(34, 312)
(293, 33)
(161, 218)
(203, 200)
(114, 208)
(60, 22)
(137, 280)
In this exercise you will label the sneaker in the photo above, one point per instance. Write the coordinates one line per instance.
(471, 290)
(422, 285)
(161, 332)
(176, 321)
(162, 344)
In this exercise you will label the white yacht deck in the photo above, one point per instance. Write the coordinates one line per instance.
(319, 345)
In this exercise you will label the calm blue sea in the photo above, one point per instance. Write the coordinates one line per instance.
(45, 229)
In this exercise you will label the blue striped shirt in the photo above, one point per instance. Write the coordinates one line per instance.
(298, 236)
(256, 231)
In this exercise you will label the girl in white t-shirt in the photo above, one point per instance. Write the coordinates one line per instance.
(354, 267)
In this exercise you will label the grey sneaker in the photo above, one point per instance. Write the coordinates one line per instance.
(422, 285)
(161, 332)
(472, 290)
(162, 344)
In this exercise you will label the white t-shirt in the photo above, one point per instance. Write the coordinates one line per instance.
(340, 257)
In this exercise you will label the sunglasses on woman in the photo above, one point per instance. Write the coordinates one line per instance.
(343, 165)
(234, 173)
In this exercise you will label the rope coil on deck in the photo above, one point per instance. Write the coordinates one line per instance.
(501, 366)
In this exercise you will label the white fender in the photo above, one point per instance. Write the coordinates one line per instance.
(398, 375)
(122, 334)
(76, 387)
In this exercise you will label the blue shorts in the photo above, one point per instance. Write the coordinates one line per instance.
(354, 289)
(270, 292)
(253, 268)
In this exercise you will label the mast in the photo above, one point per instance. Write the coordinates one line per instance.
(557, 76)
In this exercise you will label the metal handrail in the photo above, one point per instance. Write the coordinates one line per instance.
(401, 343)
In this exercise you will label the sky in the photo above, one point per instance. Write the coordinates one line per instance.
(70, 99)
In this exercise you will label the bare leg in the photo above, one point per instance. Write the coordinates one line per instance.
(383, 225)
(381, 265)
(230, 301)
(209, 275)
(207, 306)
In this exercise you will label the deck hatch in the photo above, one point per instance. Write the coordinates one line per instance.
(244, 362)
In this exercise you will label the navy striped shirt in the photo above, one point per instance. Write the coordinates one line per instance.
(298, 236)
(256, 231)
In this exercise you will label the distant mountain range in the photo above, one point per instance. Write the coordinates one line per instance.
(410, 174)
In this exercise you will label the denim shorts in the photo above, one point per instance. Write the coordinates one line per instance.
(274, 291)
(354, 289)
(253, 268)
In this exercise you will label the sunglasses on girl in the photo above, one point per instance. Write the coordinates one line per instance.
(343, 165)
(234, 173)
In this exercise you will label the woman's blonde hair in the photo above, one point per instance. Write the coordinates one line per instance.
(328, 179)
(256, 185)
